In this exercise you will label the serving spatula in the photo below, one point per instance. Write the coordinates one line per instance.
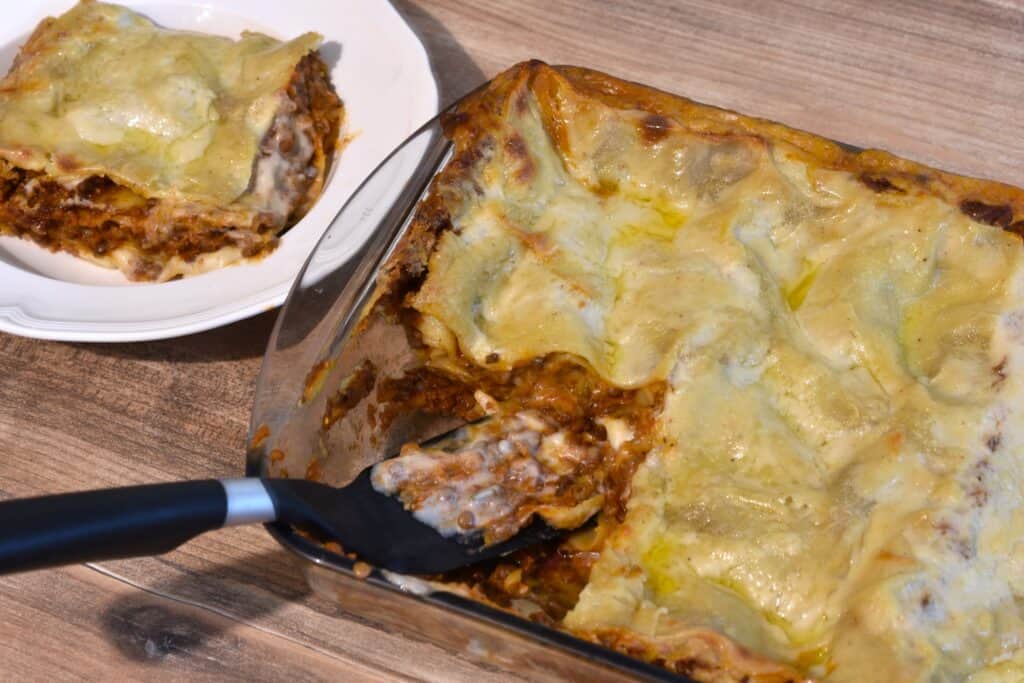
(151, 519)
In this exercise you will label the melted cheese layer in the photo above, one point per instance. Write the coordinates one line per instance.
(175, 114)
(838, 475)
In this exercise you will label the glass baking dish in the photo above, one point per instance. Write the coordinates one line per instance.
(317, 343)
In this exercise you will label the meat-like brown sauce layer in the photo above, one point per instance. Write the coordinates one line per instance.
(549, 577)
(561, 388)
(572, 395)
(98, 216)
(315, 99)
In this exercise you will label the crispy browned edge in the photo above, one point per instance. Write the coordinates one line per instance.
(310, 83)
(705, 656)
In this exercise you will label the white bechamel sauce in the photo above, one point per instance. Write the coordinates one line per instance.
(273, 188)
(483, 480)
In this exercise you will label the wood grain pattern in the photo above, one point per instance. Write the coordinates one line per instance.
(147, 635)
(940, 82)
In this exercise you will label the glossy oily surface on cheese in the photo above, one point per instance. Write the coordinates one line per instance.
(171, 114)
(836, 478)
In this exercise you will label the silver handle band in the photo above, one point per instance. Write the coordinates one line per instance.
(248, 502)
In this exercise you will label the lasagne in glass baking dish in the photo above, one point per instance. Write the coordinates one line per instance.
(161, 153)
(769, 384)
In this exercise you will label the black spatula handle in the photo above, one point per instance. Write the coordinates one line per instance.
(107, 524)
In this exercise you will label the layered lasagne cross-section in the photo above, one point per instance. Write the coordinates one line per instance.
(162, 153)
(782, 379)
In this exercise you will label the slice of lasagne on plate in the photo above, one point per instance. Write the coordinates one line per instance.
(161, 153)
(785, 378)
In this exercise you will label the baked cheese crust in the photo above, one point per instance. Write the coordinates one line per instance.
(832, 486)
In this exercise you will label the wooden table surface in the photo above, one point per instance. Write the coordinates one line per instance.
(940, 82)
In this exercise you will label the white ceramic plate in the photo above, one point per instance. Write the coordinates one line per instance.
(381, 72)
